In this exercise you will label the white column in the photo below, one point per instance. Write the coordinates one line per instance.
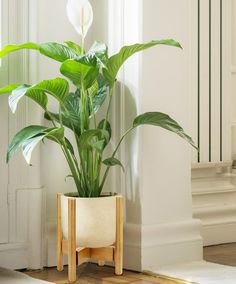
(159, 228)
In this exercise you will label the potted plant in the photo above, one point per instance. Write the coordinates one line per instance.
(93, 75)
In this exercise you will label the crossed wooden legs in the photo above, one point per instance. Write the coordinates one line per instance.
(78, 255)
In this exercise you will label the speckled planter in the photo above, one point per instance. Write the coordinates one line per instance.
(95, 221)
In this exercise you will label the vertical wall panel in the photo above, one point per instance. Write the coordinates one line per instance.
(4, 130)
(211, 41)
(215, 106)
(204, 81)
(194, 61)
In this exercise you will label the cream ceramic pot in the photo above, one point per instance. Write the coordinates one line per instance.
(95, 221)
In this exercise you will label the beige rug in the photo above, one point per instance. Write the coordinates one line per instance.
(200, 272)
(13, 277)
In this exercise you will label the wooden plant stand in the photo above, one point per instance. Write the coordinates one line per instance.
(79, 255)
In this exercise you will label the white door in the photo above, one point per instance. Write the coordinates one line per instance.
(3, 130)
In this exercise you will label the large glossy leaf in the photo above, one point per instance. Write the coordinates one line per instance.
(56, 51)
(29, 137)
(99, 50)
(70, 117)
(99, 98)
(107, 127)
(9, 88)
(58, 88)
(116, 61)
(23, 135)
(79, 73)
(93, 138)
(75, 47)
(28, 146)
(113, 162)
(13, 47)
(98, 145)
(164, 121)
(25, 90)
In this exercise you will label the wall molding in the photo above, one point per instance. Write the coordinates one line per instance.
(214, 192)
(149, 242)
(24, 188)
(14, 256)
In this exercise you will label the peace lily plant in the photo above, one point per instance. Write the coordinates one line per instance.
(93, 75)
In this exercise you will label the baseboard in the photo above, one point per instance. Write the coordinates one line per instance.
(50, 245)
(14, 256)
(214, 193)
(218, 224)
(219, 233)
(162, 244)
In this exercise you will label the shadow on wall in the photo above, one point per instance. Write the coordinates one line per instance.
(130, 155)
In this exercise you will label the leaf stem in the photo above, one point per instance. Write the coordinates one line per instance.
(113, 155)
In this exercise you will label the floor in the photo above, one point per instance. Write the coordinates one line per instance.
(222, 254)
(91, 273)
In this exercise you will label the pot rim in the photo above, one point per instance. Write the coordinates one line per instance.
(104, 195)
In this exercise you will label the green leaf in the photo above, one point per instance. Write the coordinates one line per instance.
(56, 51)
(75, 47)
(164, 121)
(58, 88)
(29, 137)
(99, 50)
(70, 117)
(107, 127)
(69, 146)
(9, 88)
(79, 73)
(98, 145)
(23, 135)
(116, 61)
(25, 90)
(55, 134)
(29, 145)
(99, 98)
(13, 47)
(113, 162)
(89, 137)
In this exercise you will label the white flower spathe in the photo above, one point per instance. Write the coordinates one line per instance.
(80, 14)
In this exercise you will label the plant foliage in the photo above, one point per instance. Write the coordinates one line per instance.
(93, 74)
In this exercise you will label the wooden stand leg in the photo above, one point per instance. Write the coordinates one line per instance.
(59, 235)
(72, 240)
(119, 236)
(101, 262)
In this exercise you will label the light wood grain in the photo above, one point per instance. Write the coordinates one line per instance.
(64, 246)
(102, 254)
(72, 239)
(222, 254)
(119, 236)
(83, 254)
(59, 235)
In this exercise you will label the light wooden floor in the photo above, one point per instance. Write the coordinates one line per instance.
(222, 254)
(91, 273)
